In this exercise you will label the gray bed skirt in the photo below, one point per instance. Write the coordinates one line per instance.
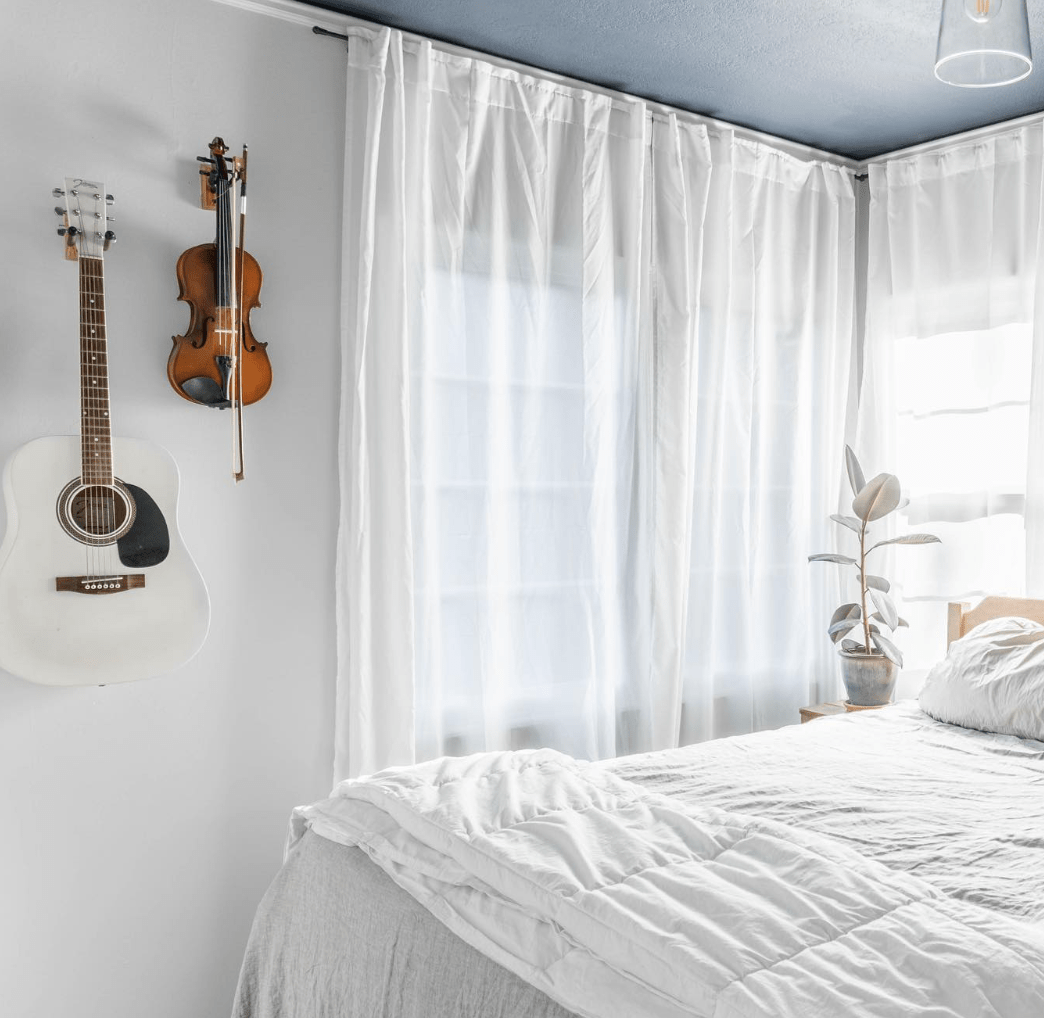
(335, 937)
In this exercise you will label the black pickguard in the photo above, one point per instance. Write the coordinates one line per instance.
(147, 543)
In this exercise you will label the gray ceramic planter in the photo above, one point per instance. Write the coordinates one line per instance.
(869, 678)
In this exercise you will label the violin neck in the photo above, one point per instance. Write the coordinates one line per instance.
(95, 432)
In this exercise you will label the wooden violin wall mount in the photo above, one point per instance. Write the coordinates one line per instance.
(218, 363)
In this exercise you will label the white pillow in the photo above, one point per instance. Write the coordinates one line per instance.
(991, 679)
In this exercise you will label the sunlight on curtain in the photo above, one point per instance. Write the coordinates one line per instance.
(524, 370)
(594, 384)
(949, 352)
(766, 408)
(490, 554)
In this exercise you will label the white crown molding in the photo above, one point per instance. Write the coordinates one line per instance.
(303, 14)
(986, 131)
(296, 13)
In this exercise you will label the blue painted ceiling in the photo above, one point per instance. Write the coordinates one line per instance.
(853, 77)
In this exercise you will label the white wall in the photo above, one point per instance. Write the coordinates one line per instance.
(140, 823)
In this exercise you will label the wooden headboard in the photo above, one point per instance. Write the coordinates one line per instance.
(962, 616)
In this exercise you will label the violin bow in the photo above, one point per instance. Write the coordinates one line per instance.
(237, 361)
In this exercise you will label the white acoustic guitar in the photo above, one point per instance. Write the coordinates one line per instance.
(96, 585)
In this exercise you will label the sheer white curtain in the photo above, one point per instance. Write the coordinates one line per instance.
(763, 337)
(490, 551)
(951, 302)
(593, 400)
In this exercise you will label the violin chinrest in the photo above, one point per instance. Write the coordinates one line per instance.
(206, 391)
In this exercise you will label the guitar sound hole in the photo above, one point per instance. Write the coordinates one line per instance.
(96, 513)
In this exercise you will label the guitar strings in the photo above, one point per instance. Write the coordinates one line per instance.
(107, 505)
(103, 436)
(98, 491)
(86, 425)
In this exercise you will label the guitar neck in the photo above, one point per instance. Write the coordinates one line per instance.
(95, 432)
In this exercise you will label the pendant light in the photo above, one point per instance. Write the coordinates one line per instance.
(983, 43)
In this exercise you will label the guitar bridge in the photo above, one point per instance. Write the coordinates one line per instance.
(99, 584)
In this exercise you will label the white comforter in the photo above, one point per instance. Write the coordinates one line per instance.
(617, 900)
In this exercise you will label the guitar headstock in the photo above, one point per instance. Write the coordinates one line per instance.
(85, 218)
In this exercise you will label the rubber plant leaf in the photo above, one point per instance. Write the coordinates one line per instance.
(838, 629)
(848, 521)
(851, 647)
(877, 498)
(846, 611)
(907, 539)
(889, 649)
(878, 583)
(855, 471)
(844, 560)
(880, 618)
(886, 606)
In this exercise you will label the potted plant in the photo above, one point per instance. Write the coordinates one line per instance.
(869, 666)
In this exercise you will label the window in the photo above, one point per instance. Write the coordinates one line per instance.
(962, 424)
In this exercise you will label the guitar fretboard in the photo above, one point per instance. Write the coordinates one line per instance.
(95, 433)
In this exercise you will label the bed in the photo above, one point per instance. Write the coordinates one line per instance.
(879, 864)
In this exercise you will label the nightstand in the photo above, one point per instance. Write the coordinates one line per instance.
(821, 710)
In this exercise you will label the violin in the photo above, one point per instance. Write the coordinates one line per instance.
(218, 363)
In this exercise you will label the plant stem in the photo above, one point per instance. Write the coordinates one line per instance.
(862, 586)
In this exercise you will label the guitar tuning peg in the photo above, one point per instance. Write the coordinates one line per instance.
(58, 193)
(110, 237)
(61, 231)
(59, 211)
(109, 200)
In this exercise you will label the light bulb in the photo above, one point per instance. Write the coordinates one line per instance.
(982, 11)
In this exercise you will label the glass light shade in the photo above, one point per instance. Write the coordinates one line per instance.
(983, 43)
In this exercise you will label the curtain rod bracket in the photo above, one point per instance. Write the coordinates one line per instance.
(323, 31)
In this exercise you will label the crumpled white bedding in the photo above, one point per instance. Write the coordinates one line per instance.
(961, 809)
(616, 900)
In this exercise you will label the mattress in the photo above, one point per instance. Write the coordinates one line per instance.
(335, 937)
(961, 810)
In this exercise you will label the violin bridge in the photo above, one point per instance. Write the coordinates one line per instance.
(99, 584)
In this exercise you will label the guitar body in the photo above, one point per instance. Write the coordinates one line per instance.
(151, 618)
